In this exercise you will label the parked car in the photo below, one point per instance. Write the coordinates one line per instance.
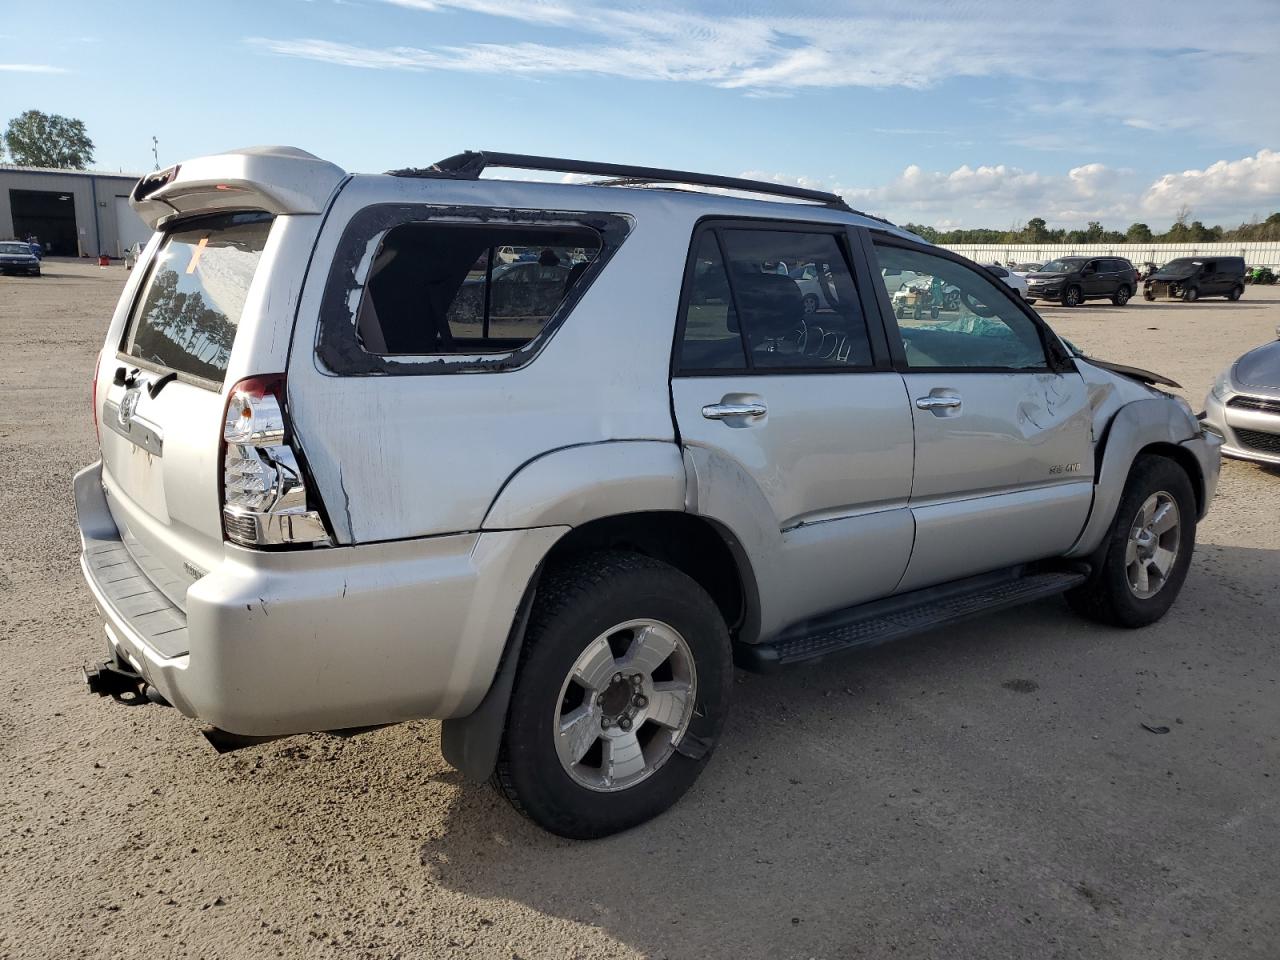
(1190, 278)
(1009, 278)
(1073, 280)
(816, 290)
(1023, 269)
(322, 504)
(1243, 407)
(16, 258)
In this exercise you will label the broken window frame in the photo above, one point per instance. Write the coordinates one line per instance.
(338, 347)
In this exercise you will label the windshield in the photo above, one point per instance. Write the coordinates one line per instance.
(1065, 265)
(1181, 266)
(191, 305)
(15, 248)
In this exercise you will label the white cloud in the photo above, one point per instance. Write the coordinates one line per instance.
(1240, 187)
(1226, 192)
(30, 68)
(1064, 72)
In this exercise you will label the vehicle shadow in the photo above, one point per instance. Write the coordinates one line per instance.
(986, 788)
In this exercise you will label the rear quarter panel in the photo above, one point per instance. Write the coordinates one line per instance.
(424, 454)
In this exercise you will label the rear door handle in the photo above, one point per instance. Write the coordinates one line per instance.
(722, 411)
(937, 403)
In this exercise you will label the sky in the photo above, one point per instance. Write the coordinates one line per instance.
(950, 113)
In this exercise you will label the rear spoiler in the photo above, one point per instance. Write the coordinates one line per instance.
(280, 180)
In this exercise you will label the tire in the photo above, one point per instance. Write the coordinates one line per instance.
(1031, 300)
(1122, 296)
(1108, 596)
(578, 605)
(1191, 294)
(1148, 296)
(810, 304)
(1236, 292)
(1072, 296)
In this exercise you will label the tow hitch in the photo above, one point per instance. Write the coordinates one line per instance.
(110, 679)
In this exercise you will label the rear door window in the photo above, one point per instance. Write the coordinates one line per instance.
(186, 315)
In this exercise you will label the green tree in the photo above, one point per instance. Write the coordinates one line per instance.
(1138, 233)
(1036, 231)
(38, 139)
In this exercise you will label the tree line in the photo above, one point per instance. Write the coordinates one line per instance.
(1184, 230)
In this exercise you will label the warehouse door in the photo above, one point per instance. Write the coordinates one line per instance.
(49, 216)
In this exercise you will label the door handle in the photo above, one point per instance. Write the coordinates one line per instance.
(937, 403)
(722, 411)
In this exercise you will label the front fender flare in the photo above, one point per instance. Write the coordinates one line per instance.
(1136, 425)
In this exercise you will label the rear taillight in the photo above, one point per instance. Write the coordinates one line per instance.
(97, 430)
(264, 490)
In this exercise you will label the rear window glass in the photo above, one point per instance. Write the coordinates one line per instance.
(186, 316)
(448, 288)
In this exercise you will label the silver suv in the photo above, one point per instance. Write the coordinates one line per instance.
(544, 460)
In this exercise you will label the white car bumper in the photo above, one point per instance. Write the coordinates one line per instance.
(294, 641)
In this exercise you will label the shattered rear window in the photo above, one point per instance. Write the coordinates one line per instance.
(449, 288)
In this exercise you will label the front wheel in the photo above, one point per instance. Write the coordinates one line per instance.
(1071, 297)
(1191, 294)
(1122, 296)
(1236, 292)
(1144, 560)
(622, 690)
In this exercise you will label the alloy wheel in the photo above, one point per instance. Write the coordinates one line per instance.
(1152, 549)
(625, 705)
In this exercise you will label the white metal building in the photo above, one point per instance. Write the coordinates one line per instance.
(1266, 254)
(72, 212)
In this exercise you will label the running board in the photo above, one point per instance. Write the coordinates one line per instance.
(896, 617)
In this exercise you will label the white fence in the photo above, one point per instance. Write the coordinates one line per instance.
(1265, 254)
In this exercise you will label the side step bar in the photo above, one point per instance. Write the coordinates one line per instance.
(896, 617)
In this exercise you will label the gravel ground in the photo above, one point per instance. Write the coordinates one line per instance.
(987, 791)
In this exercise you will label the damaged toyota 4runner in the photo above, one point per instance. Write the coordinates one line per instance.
(545, 460)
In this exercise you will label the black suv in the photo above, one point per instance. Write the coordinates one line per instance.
(1073, 280)
(1190, 278)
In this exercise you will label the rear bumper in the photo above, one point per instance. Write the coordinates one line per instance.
(289, 642)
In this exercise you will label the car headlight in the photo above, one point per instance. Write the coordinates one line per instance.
(1219, 388)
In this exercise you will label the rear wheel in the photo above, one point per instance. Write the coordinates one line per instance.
(1122, 296)
(622, 691)
(1071, 296)
(1236, 292)
(1144, 560)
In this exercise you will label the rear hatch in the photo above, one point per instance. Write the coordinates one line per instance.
(160, 387)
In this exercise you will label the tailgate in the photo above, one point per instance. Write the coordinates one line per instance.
(162, 403)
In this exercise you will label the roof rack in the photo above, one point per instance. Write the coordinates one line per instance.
(469, 166)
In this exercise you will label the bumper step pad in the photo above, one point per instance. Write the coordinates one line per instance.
(905, 615)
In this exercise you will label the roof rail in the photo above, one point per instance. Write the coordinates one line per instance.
(469, 166)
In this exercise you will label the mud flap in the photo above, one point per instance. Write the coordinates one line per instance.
(470, 743)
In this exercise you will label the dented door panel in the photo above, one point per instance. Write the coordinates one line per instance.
(1015, 456)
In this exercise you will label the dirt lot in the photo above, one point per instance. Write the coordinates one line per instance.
(985, 792)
